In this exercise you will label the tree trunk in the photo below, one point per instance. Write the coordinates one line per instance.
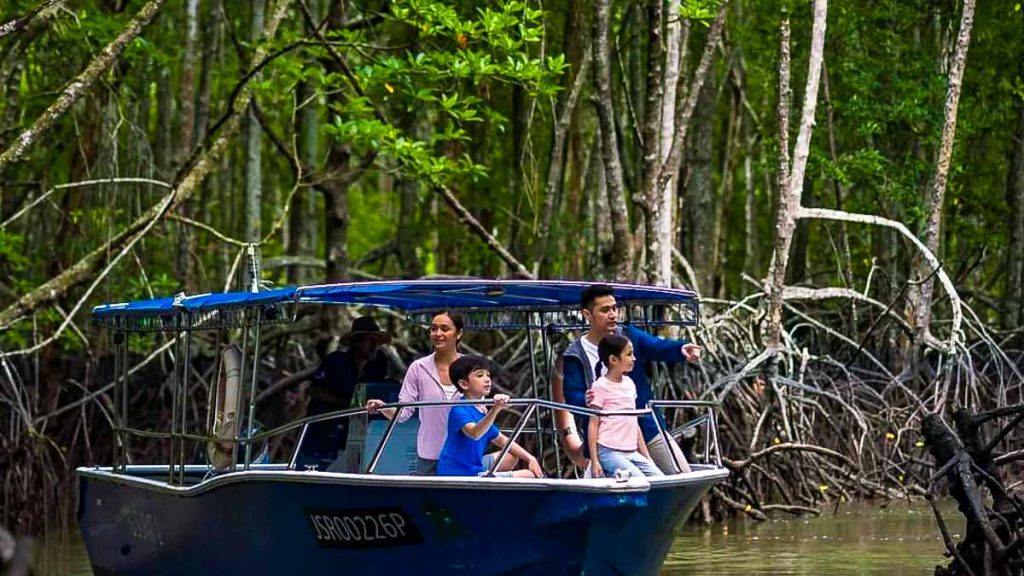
(187, 92)
(699, 202)
(339, 156)
(622, 251)
(186, 183)
(937, 189)
(797, 271)
(304, 220)
(652, 131)
(723, 213)
(580, 149)
(789, 197)
(1013, 299)
(209, 62)
(751, 259)
(520, 134)
(163, 148)
(77, 88)
(843, 241)
(412, 225)
(556, 164)
(253, 157)
(186, 121)
(603, 263)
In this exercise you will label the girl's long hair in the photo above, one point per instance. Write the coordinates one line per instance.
(611, 345)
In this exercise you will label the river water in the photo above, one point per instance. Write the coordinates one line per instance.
(897, 540)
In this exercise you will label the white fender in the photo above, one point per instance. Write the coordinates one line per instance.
(225, 421)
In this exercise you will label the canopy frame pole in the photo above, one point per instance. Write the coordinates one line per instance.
(212, 392)
(666, 438)
(298, 446)
(252, 389)
(383, 442)
(175, 395)
(118, 392)
(186, 366)
(515, 434)
(713, 436)
(533, 384)
(125, 436)
(238, 397)
(550, 367)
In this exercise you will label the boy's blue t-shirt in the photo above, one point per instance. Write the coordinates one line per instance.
(461, 455)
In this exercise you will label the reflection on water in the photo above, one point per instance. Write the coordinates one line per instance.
(862, 539)
(61, 555)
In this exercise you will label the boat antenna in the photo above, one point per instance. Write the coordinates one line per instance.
(252, 254)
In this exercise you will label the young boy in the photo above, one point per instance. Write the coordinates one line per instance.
(471, 428)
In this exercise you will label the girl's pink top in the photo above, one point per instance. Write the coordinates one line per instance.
(423, 383)
(616, 432)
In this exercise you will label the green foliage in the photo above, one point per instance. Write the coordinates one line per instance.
(703, 10)
(464, 93)
(455, 58)
(12, 252)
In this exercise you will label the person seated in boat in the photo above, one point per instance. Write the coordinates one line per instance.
(579, 362)
(565, 424)
(333, 385)
(616, 440)
(427, 380)
(471, 428)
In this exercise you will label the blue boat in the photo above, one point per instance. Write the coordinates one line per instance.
(244, 516)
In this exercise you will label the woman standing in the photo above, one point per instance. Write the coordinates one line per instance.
(427, 380)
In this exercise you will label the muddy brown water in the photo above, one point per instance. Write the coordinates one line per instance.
(900, 539)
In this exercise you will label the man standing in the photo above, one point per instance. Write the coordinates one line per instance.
(602, 315)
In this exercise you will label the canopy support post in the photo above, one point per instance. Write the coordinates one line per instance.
(533, 386)
(238, 400)
(186, 366)
(125, 436)
(552, 415)
(175, 394)
(118, 392)
(252, 390)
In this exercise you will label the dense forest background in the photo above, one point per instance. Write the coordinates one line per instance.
(144, 146)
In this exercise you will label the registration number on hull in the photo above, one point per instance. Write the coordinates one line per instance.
(362, 528)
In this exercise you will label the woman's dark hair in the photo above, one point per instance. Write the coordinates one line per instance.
(611, 345)
(456, 317)
(463, 366)
(458, 320)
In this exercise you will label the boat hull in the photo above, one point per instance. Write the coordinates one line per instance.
(272, 521)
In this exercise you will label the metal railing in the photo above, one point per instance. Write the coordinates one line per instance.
(244, 443)
(708, 420)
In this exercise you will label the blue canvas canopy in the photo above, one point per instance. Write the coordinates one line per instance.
(200, 311)
(474, 294)
(212, 301)
(207, 311)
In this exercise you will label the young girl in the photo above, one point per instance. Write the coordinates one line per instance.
(616, 441)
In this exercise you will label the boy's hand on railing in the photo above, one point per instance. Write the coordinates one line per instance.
(500, 401)
(595, 469)
(372, 406)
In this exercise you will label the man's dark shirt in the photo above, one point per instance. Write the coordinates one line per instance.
(338, 375)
